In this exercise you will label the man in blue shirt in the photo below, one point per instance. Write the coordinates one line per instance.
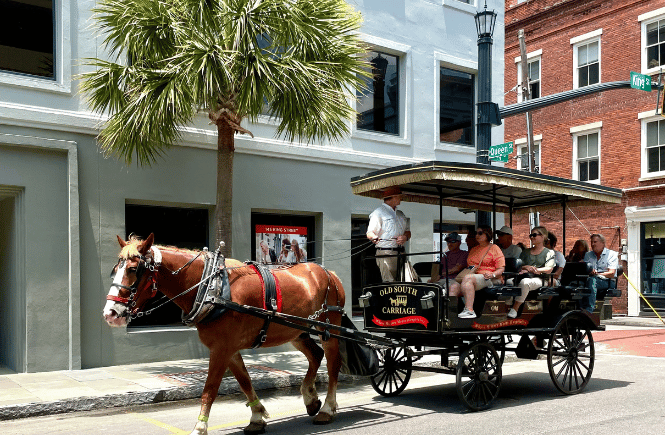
(604, 263)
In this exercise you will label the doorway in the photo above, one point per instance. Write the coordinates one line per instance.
(12, 295)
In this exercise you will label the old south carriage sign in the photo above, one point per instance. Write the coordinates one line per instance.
(398, 306)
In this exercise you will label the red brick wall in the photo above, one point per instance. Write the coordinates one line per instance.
(549, 25)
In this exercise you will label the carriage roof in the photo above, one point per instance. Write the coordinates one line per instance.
(473, 186)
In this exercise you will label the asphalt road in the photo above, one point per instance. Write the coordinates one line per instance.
(624, 396)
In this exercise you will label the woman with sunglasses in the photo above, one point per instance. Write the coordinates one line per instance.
(489, 262)
(536, 261)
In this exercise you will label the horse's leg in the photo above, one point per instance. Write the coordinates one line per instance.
(305, 344)
(334, 363)
(256, 423)
(217, 365)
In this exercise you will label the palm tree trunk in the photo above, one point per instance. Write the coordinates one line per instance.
(224, 204)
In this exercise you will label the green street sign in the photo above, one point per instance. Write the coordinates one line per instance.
(640, 81)
(500, 153)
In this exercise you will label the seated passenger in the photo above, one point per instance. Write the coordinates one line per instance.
(580, 248)
(454, 258)
(489, 262)
(536, 261)
(559, 259)
(604, 263)
(504, 238)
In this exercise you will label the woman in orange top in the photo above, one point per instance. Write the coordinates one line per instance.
(490, 264)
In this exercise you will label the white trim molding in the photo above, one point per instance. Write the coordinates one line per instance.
(74, 273)
(635, 216)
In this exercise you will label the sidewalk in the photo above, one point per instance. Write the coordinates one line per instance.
(32, 394)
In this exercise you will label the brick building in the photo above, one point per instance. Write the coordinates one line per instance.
(612, 138)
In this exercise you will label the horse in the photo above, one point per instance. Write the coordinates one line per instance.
(307, 288)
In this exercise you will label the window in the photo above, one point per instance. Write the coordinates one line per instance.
(655, 44)
(587, 160)
(586, 59)
(652, 40)
(534, 78)
(523, 156)
(182, 227)
(378, 105)
(588, 65)
(456, 123)
(655, 147)
(27, 37)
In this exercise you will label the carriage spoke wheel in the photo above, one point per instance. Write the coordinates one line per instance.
(478, 376)
(570, 356)
(394, 371)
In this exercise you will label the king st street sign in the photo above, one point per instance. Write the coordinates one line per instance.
(640, 81)
(500, 153)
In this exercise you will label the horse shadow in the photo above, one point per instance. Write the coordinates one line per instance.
(520, 389)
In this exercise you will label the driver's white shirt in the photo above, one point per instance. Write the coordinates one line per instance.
(387, 224)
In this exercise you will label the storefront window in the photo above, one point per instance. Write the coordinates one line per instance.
(653, 265)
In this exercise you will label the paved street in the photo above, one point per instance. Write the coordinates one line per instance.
(624, 396)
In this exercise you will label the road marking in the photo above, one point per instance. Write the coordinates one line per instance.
(159, 424)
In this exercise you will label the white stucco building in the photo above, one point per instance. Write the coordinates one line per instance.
(62, 202)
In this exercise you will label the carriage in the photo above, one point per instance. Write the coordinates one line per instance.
(425, 321)
(237, 305)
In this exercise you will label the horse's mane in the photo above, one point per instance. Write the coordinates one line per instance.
(131, 249)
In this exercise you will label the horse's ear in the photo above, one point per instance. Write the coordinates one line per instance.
(122, 242)
(147, 243)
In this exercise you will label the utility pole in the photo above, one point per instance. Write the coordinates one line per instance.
(526, 95)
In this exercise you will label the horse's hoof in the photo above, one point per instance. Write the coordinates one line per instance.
(313, 407)
(323, 418)
(255, 427)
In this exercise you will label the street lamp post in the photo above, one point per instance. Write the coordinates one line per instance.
(485, 22)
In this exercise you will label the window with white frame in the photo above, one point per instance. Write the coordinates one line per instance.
(586, 59)
(523, 156)
(655, 147)
(533, 74)
(378, 105)
(655, 43)
(27, 37)
(587, 67)
(652, 26)
(456, 105)
(586, 166)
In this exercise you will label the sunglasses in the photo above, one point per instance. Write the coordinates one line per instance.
(453, 241)
(532, 235)
(479, 233)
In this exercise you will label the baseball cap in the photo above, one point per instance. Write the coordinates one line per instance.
(505, 230)
(453, 237)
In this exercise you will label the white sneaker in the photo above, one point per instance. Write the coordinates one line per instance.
(512, 313)
(467, 314)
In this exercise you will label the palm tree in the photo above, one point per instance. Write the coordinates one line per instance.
(233, 59)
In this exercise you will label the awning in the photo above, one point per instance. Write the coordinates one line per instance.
(477, 187)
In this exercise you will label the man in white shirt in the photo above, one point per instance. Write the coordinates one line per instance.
(389, 230)
(604, 264)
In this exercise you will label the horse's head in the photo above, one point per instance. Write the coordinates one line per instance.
(133, 280)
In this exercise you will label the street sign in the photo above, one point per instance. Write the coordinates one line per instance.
(500, 153)
(640, 81)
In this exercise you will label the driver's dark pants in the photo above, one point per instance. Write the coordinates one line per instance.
(594, 283)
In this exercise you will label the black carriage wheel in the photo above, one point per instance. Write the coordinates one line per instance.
(394, 371)
(478, 376)
(570, 356)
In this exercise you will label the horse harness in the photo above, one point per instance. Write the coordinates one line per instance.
(213, 297)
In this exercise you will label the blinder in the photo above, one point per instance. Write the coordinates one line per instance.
(145, 263)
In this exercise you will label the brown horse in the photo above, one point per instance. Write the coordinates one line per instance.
(305, 289)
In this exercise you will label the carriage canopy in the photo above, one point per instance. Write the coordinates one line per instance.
(478, 187)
